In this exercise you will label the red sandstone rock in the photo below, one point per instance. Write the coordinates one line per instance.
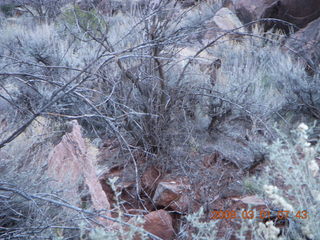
(150, 179)
(159, 223)
(125, 185)
(173, 194)
(72, 162)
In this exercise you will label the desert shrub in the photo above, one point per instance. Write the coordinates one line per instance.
(198, 15)
(141, 92)
(35, 45)
(141, 84)
(296, 166)
(249, 75)
(43, 10)
(124, 31)
(26, 218)
(291, 183)
(22, 180)
(259, 82)
(137, 90)
(44, 45)
(202, 229)
(303, 93)
(41, 60)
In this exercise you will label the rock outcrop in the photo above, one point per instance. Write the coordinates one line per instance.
(72, 165)
(306, 45)
(159, 223)
(296, 12)
(173, 194)
(250, 10)
(227, 20)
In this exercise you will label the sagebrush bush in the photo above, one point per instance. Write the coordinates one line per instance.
(202, 229)
(22, 175)
(295, 162)
(251, 74)
(291, 183)
(123, 76)
(39, 61)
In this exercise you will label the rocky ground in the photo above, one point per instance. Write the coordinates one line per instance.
(86, 153)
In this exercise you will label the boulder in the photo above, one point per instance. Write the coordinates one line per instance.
(306, 44)
(124, 183)
(250, 10)
(227, 20)
(172, 194)
(223, 21)
(159, 223)
(297, 12)
(72, 163)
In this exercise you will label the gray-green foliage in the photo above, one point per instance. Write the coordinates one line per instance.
(252, 74)
(202, 229)
(48, 57)
(7, 9)
(142, 101)
(292, 183)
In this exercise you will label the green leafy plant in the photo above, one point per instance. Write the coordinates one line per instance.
(7, 9)
(84, 21)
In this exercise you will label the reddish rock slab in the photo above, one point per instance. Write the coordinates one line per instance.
(173, 194)
(150, 179)
(72, 163)
(125, 184)
(159, 223)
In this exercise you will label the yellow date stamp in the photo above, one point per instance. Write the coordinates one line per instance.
(251, 214)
